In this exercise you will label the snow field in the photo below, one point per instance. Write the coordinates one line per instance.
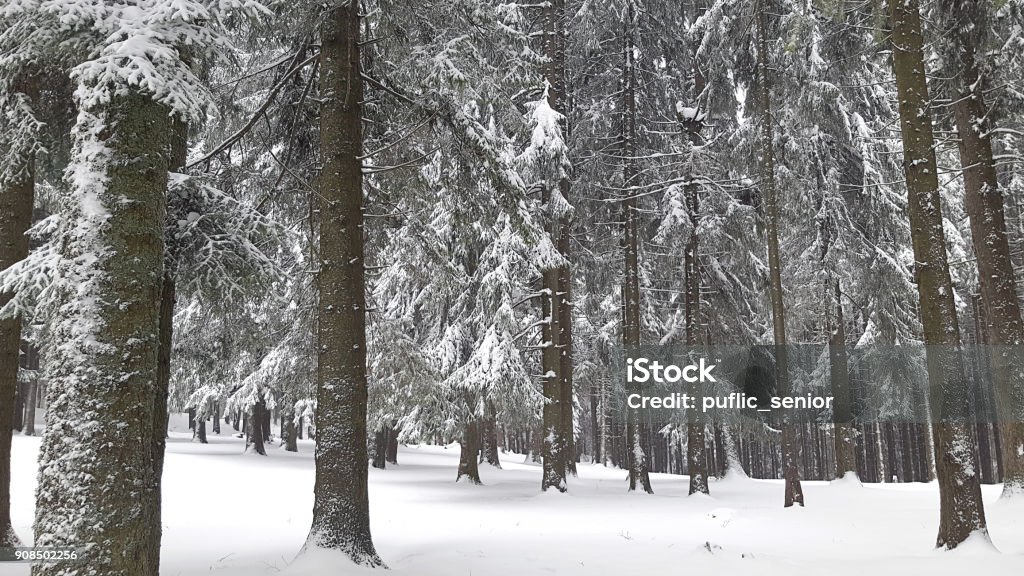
(233, 514)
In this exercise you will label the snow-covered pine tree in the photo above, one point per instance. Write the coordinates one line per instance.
(104, 307)
(962, 512)
(457, 243)
(766, 155)
(970, 40)
(546, 159)
(341, 518)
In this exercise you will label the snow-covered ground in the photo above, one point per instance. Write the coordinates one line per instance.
(231, 514)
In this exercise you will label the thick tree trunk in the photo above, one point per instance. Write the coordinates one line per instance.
(790, 446)
(16, 199)
(468, 467)
(341, 507)
(102, 381)
(984, 202)
(961, 510)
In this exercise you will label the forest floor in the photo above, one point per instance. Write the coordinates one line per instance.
(233, 514)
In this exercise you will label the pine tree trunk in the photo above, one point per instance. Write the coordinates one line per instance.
(200, 433)
(341, 507)
(392, 453)
(163, 379)
(636, 431)
(536, 445)
(961, 510)
(256, 439)
(557, 360)
(380, 448)
(216, 417)
(696, 445)
(790, 445)
(102, 380)
(839, 375)
(489, 448)
(984, 202)
(168, 297)
(18, 422)
(16, 199)
(595, 425)
(288, 430)
(468, 467)
(30, 408)
(555, 440)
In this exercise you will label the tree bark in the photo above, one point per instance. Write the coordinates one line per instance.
(843, 438)
(341, 508)
(168, 298)
(961, 510)
(595, 423)
(380, 448)
(17, 195)
(636, 431)
(30, 408)
(200, 432)
(392, 454)
(289, 431)
(556, 359)
(790, 445)
(102, 381)
(839, 375)
(489, 447)
(216, 417)
(696, 443)
(256, 438)
(18, 418)
(468, 467)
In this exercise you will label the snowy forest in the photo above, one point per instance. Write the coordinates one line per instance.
(277, 272)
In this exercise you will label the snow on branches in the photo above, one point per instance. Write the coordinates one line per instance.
(142, 45)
